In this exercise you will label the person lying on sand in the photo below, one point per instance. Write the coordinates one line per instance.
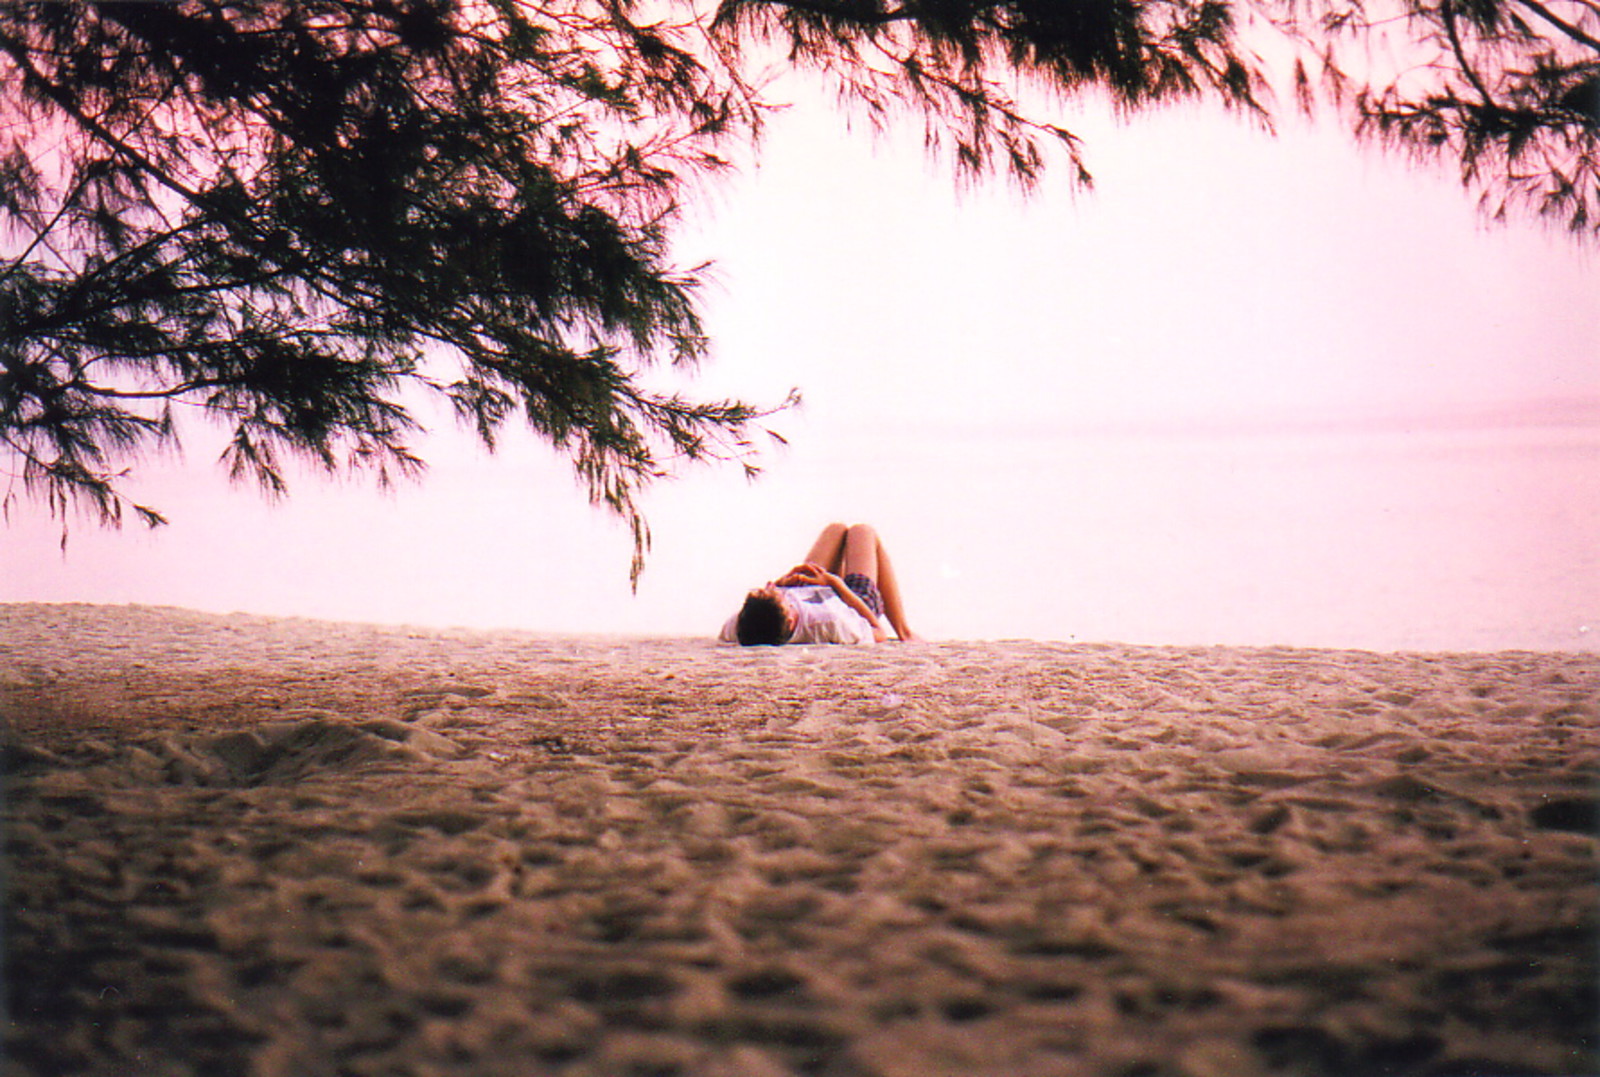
(841, 593)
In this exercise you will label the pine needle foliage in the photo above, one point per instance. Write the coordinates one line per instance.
(294, 217)
(973, 71)
(286, 217)
(1506, 90)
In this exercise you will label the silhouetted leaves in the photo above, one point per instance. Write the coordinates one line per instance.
(289, 218)
(1509, 90)
(295, 219)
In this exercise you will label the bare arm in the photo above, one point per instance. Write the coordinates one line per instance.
(818, 576)
(853, 600)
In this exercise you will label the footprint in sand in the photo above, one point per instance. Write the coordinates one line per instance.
(282, 752)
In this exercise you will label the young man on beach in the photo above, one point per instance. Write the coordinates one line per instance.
(842, 593)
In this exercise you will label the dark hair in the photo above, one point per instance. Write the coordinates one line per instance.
(762, 622)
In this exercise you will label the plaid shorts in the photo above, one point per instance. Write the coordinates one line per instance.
(866, 590)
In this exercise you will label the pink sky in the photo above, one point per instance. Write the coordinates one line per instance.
(1249, 390)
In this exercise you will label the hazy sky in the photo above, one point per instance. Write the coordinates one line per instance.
(1248, 390)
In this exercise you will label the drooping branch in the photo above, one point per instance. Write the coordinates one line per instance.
(290, 216)
(1573, 31)
(486, 183)
(1509, 91)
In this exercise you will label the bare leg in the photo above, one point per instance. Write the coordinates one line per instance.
(861, 552)
(828, 550)
(893, 604)
(864, 553)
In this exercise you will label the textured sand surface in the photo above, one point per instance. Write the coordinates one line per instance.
(238, 845)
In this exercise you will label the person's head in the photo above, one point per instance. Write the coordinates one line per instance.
(765, 618)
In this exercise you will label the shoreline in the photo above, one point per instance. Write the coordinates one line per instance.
(160, 610)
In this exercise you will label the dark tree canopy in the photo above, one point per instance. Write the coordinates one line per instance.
(296, 218)
(288, 216)
(1508, 90)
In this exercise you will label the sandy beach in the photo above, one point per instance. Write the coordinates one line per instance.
(240, 845)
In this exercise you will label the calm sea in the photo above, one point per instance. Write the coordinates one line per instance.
(1432, 539)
